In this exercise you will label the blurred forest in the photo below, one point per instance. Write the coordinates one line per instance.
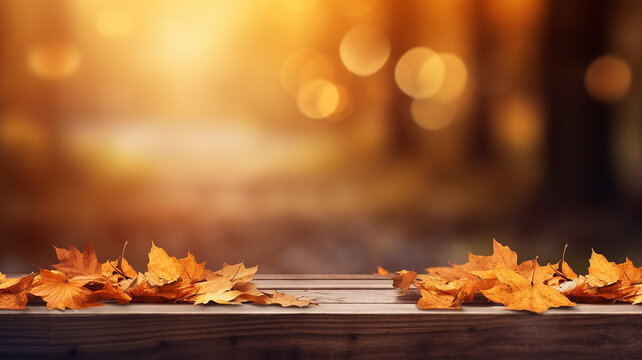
(320, 136)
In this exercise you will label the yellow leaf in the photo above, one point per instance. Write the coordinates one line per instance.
(601, 271)
(519, 293)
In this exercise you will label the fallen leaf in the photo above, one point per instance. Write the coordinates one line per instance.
(287, 300)
(13, 292)
(74, 263)
(60, 292)
(80, 281)
(162, 269)
(237, 272)
(109, 292)
(524, 286)
(450, 274)
(435, 300)
(518, 293)
(192, 270)
(601, 272)
(218, 290)
(628, 272)
(382, 271)
(403, 279)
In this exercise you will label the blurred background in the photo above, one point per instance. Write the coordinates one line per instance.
(320, 136)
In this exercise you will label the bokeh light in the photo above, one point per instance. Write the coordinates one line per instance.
(318, 99)
(432, 115)
(53, 60)
(608, 79)
(345, 106)
(517, 123)
(455, 78)
(291, 69)
(364, 50)
(114, 22)
(318, 67)
(22, 135)
(420, 73)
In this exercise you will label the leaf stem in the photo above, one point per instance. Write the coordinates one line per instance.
(534, 268)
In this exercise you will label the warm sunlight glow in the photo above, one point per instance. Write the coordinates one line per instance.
(291, 69)
(455, 78)
(53, 60)
(114, 22)
(420, 73)
(517, 123)
(318, 99)
(432, 115)
(356, 8)
(608, 79)
(364, 50)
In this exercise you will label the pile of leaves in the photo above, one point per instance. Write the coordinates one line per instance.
(80, 281)
(524, 286)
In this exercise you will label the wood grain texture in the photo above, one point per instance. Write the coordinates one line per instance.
(356, 323)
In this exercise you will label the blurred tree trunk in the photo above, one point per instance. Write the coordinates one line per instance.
(479, 141)
(579, 162)
(402, 130)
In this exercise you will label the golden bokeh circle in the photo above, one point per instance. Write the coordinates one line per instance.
(364, 50)
(608, 78)
(455, 78)
(53, 60)
(420, 73)
(432, 115)
(318, 98)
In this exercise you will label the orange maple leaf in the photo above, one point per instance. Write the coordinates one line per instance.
(628, 272)
(401, 279)
(60, 292)
(13, 292)
(74, 263)
(162, 268)
(601, 272)
(502, 256)
(238, 272)
(80, 281)
(218, 290)
(519, 293)
(192, 270)
(287, 300)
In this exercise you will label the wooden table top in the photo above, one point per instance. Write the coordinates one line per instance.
(358, 316)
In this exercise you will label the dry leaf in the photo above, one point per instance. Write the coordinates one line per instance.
(401, 279)
(60, 292)
(601, 271)
(237, 272)
(13, 292)
(287, 300)
(218, 290)
(382, 271)
(628, 272)
(527, 286)
(81, 281)
(192, 270)
(502, 256)
(450, 274)
(162, 269)
(518, 293)
(74, 263)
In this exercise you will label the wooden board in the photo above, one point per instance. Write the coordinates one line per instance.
(358, 317)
